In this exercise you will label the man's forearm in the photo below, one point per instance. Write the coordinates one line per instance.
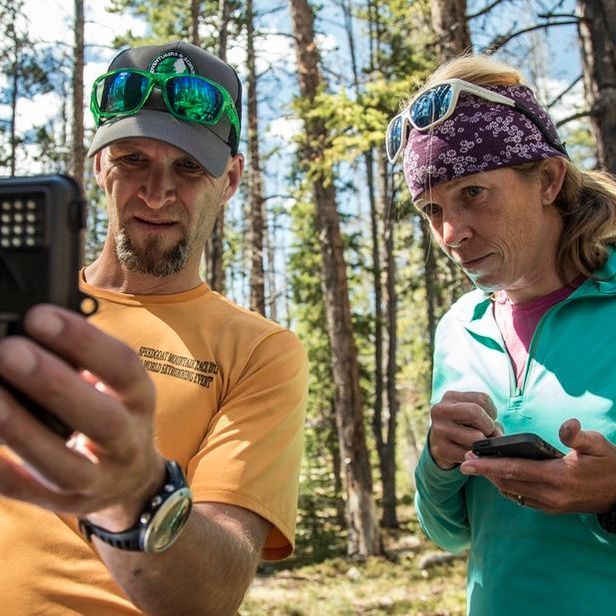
(207, 571)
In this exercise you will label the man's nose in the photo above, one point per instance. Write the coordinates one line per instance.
(159, 188)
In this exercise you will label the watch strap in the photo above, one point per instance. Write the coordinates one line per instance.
(129, 539)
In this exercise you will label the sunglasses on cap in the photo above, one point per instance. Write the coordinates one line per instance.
(437, 103)
(191, 98)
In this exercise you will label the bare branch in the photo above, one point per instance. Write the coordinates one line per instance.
(484, 10)
(501, 41)
(558, 15)
(575, 116)
(567, 89)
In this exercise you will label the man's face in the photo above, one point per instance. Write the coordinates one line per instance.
(496, 227)
(162, 204)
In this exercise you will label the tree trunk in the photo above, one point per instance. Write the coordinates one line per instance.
(13, 138)
(388, 457)
(14, 94)
(429, 279)
(255, 181)
(376, 211)
(269, 241)
(195, 39)
(334, 447)
(450, 28)
(597, 32)
(214, 248)
(364, 533)
(78, 157)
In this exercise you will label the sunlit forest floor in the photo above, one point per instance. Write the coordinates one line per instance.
(415, 579)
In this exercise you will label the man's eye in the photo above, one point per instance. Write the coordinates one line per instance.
(188, 164)
(132, 158)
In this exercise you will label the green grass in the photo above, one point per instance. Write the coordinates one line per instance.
(339, 586)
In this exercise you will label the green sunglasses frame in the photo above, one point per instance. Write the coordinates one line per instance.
(160, 81)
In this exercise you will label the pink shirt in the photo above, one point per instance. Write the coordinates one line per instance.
(517, 322)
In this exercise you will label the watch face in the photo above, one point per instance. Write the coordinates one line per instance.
(168, 521)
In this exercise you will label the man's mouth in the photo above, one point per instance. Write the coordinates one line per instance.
(154, 223)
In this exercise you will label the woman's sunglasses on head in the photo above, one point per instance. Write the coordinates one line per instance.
(438, 103)
(191, 98)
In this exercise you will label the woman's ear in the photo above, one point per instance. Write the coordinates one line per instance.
(553, 173)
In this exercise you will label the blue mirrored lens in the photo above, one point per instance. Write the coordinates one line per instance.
(121, 93)
(394, 137)
(194, 99)
(431, 106)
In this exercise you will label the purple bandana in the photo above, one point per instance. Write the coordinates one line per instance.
(478, 136)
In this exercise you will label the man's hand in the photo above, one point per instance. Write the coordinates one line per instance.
(583, 481)
(457, 421)
(97, 386)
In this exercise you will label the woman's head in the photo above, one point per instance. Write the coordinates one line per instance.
(480, 135)
(472, 115)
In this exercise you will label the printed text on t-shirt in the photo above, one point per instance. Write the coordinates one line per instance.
(181, 367)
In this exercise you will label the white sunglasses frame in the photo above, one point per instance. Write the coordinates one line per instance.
(457, 86)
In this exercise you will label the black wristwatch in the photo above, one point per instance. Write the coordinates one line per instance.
(159, 524)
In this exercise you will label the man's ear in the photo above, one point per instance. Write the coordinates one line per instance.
(97, 168)
(233, 175)
(553, 173)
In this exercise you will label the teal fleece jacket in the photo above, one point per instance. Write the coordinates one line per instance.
(522, 561)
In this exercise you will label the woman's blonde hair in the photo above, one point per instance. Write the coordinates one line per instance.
(587, 199)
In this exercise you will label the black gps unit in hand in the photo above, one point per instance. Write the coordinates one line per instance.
(42, 219)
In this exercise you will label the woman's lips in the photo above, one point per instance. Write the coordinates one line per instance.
(474, 263)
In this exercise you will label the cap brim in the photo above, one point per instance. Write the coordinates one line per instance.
(196, 140)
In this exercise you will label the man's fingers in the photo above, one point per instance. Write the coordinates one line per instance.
(19, 482)
(85, 346)
(57, 387)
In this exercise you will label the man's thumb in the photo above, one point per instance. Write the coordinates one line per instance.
(572, 435)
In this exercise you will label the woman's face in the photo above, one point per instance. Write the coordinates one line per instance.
(500, 227)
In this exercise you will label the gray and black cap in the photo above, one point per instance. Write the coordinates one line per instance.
(210, 146)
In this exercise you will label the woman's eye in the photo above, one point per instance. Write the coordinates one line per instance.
(430, 210)
(473, 191)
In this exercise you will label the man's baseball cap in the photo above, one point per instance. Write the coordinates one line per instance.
(210, 146)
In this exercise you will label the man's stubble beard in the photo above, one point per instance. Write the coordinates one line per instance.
(150, 258)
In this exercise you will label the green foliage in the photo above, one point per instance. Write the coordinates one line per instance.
(31, 70)
(580, 145)
(170, 20)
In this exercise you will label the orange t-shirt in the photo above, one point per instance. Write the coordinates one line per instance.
(231, 395)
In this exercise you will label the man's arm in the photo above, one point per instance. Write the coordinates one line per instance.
(206, 571)
(113, 467)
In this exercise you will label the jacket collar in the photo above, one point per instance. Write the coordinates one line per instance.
(474, 309)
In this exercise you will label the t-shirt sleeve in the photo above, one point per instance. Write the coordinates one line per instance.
(252, 451)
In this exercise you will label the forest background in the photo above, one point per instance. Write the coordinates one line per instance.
(322, 236)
